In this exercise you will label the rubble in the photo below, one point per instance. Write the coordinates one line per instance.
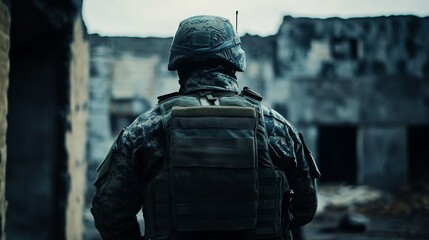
(409, 200)
(353, 222)
(412, 199)
(345, 197)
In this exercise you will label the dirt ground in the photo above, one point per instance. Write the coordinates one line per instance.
(400, 215)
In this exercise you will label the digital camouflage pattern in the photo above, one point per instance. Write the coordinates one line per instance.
(200, 38)
(210, 80)
(136, 157)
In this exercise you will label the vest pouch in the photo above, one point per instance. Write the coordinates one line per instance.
(157, 208)
(214, 168)
(271, 215)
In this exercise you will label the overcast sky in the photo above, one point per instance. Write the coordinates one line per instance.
(161, 18)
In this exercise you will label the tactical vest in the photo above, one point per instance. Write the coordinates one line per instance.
(217, 175)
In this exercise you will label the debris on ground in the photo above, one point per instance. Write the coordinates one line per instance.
(353, 212)
(408, 200)
(353, 222)
(412, 199)
(345, 197)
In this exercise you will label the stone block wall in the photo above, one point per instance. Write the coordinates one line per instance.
(4, 83)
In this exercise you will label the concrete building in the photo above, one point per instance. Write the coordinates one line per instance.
(359, 89)
(45, 98)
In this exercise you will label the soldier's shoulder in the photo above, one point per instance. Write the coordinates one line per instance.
(272, 115)
(147, 119)
(144, 124)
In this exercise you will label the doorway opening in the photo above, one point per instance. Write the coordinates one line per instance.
(337, 153)
(418, 143)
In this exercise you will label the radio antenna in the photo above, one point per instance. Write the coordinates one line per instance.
(236, 21)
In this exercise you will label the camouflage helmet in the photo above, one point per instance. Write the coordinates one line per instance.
(201, 38)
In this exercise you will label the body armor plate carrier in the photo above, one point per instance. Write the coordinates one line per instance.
(217, 174)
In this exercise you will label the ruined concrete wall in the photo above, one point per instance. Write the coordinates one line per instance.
(354, 70)
(138, 67)
(371, 73)
(352, 47)
(260, 72)
(76, 137)
(99, 136)
(4, 83)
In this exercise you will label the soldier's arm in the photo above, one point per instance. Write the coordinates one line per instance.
(118, 196)
(293, 156)
(302, 179)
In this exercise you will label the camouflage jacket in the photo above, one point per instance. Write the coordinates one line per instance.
(137, 154)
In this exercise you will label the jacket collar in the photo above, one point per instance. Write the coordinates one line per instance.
(209, 80)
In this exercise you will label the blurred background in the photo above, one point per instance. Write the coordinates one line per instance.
(353, 76)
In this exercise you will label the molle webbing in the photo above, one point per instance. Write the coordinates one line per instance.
(213, 168)
(214, 111)
(157, 206)
(272, 185)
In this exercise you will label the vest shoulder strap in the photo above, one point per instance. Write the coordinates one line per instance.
(252, 94)
(167, 96)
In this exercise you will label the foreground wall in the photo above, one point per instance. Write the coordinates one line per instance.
(4, 83)
(48, 105)
(76, 135)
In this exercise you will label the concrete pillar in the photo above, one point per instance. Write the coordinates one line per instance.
(76, 136)
(382, 157)
(4, 83)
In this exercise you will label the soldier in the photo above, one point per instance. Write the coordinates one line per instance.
(208, 162)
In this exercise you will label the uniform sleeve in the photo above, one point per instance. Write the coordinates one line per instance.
(302, 179)
(118, 196)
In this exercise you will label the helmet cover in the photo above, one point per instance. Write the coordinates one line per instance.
(202, 38)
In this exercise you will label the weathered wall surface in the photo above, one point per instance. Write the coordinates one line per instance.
(76, 136)
(382, 153)
(260, 72)
(99, 136)
(370, 73)
(352, 47)
(4, 83)
(354, 70)
(126, 77)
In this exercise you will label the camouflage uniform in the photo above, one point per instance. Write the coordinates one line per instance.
(137, 154)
